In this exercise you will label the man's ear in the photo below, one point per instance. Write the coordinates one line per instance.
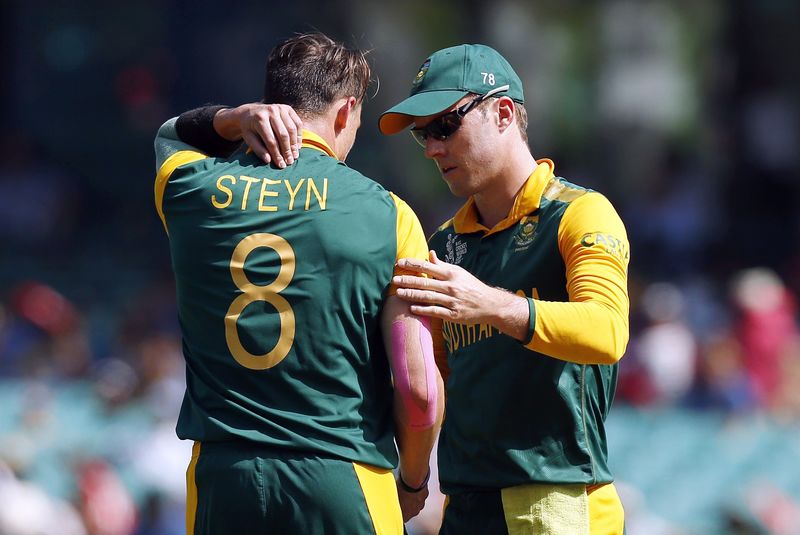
(505, 112)
(343, 113)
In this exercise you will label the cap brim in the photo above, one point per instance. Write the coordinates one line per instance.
(423, 104)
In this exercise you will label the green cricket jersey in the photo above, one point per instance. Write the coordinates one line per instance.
(534, 413)
(280, 277)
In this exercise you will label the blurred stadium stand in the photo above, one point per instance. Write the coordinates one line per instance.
(685, 113)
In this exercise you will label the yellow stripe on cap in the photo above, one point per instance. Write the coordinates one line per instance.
(380, 492)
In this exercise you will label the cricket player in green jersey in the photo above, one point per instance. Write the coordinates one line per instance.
(302, 366)
(528, 283)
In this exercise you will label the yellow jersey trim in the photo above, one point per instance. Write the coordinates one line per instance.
(526, 201)
(313, 141)
(380, 493)
(167, 168)
(410, 237)
(445, 225)
(191, 489)
(558, 191)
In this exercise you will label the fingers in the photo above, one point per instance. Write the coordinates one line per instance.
(430, 303)
(274, 133)
(429, 297)
(440, 270)
(426, 296)
(298, 128)
(422, 283)
(442, 313)
(285, 132)
(265, 131)
(256, 145)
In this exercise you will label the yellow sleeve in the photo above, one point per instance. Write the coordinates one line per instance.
(592, 328)
(410, 238)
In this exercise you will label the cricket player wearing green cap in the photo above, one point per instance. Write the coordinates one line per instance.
(528, 286)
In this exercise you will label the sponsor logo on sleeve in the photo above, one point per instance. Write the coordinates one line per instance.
(607, 242)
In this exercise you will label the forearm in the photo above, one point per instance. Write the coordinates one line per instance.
(508, 313)
(228, 123)
(415, 445)
(418, 388)
(204, 129)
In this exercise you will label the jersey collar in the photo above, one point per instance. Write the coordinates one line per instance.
(526, 201)
(313, 141)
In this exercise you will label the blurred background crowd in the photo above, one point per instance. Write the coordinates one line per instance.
(685, 113)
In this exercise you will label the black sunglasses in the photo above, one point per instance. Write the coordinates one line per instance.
(446, 125)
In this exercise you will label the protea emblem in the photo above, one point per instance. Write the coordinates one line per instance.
(526, 233)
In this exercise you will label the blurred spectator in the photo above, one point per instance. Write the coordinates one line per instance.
(675, 217)
(105, 504)
(723, 382)
(159, 359)
(45, 335)
(665, 350)
(766, 328)
(786, 400)
(161, 516)
(115, 382)
(774, 511)
(26, 509)
(45, 201)
(35, 432)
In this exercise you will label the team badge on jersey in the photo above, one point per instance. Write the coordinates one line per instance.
(456, 249)
(422, 70)
(525, 233)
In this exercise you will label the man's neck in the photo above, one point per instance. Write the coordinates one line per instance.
(495, 202)
(324, 130)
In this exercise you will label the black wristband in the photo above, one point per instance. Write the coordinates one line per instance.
(196, 127)
(406, 487)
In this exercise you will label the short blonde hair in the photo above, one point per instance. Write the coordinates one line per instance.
(520, 116)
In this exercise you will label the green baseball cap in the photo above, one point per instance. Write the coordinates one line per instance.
(446, 77)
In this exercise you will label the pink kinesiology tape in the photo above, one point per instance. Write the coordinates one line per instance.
(419, 417)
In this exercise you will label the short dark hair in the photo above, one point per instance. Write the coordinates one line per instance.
(311, 71)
